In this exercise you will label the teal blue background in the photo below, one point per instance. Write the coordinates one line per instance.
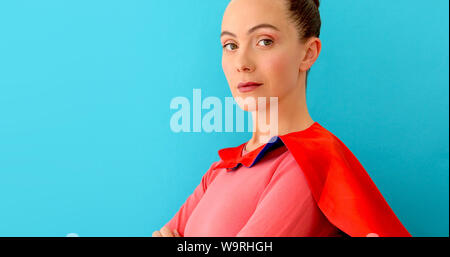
(85, 87)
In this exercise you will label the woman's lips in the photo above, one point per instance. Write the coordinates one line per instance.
(244, 87)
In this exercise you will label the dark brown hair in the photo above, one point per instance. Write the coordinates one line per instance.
(305, 15)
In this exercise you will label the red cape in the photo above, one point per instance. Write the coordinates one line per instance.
(343, 190)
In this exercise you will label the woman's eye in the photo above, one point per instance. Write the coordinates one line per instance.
(266, 42)
(230, 46)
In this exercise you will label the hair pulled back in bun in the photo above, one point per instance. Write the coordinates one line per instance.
(305, 14)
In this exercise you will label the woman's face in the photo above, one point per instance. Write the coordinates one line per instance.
(261, 44)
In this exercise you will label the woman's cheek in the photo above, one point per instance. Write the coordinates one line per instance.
(277, 69)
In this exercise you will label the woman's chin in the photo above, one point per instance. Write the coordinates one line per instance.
(247, 101)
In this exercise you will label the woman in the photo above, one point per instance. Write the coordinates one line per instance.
(300, 180)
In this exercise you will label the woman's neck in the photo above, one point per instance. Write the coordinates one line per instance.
(293, 116)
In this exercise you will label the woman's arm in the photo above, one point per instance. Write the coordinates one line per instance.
(165, 232)
(179, 220)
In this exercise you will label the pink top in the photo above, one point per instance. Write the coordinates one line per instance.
(271, 198)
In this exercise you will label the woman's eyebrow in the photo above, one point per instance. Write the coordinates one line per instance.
(264, 25)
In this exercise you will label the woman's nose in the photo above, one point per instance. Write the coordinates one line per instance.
(244, 68)
(245, 64)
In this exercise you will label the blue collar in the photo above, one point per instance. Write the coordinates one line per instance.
(232, 156)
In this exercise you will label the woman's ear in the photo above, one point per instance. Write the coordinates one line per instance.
(312, 51)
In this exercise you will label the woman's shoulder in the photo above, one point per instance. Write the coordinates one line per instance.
(288, 171)
(211, 173)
